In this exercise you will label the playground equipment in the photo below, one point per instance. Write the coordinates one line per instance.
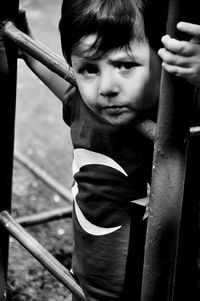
(170, 250)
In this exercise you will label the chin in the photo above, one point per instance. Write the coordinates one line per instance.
(121, 120)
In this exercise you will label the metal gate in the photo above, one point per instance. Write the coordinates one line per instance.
(174, 188)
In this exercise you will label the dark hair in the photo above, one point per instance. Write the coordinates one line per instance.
(114, 22)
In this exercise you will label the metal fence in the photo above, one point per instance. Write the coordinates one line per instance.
(174, 184)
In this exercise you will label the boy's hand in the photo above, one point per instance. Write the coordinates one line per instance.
(22, 23)
(182, 58)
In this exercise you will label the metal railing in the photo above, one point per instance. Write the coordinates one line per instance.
(171, 139)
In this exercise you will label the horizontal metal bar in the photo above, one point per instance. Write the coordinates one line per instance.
(41, 254)
(43, 217)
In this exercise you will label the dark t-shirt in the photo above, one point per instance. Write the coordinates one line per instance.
(111, 167)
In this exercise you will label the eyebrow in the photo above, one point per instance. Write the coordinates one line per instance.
(122, 57)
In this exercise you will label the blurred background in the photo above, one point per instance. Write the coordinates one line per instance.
(40, 131)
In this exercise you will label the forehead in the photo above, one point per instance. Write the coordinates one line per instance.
(87, 49)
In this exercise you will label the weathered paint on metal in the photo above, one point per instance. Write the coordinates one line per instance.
(168, 180)
(8, 68)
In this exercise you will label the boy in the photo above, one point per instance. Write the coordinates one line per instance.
(112, 52)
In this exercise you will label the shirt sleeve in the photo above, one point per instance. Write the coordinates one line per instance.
(68, 104)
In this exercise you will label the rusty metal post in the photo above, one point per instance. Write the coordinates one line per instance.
(168, 180)
(8, 68)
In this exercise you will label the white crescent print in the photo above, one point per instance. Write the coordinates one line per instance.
(88, 226)
(86, 157)
(144, 202)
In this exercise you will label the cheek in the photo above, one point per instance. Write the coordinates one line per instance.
(138, 84)
(144, 89)
(88, 93)
(151, 83)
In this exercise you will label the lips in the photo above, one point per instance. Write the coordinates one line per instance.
(116, 109)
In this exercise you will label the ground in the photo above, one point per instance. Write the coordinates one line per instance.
(42, 136)
(27, 278)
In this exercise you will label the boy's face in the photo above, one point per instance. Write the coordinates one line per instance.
(118, 86)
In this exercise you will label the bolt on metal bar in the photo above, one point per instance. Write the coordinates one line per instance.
(41, 254)
(168, 179)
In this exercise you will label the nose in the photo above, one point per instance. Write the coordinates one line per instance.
(108, 83)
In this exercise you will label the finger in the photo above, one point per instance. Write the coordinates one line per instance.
(183, 48)
(22, 10)
(173, 59)
(186, 73)
(21, 15)
(176, 70)
(189, 28)
(22, 22)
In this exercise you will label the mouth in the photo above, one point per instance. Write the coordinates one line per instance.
(115, 109)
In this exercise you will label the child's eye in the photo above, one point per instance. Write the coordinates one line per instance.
(127, 65)
(88, 70)
(91, 69)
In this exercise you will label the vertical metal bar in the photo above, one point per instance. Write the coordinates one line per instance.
(8, 68)
(168, 178)
(187, 274)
